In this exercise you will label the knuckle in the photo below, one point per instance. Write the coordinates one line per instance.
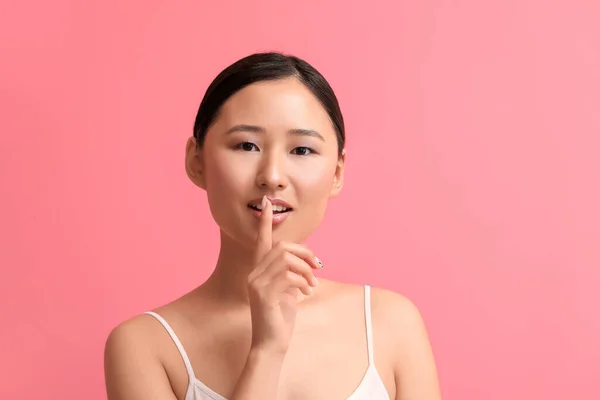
(288, 258)
(255, 283)
(252, 286)
(290, 276)
(304, 268)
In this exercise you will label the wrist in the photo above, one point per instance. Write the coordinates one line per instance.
(266, 354)
(260, 377)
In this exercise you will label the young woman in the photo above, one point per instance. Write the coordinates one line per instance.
(268, 149)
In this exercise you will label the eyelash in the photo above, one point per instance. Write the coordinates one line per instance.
(240, 146)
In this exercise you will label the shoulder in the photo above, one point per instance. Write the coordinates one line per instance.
(394, 310)
(401, 329)
(388, 308)
(132, 332)
(144, 334)
(132, 363)
(398, 322)
(132, 340)
(391, 312)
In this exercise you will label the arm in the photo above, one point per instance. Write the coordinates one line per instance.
(415, 372)
(132, 372)
(260, 377)
(279, 273)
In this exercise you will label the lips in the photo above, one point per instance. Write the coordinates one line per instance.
(279, 206)
(281, 209)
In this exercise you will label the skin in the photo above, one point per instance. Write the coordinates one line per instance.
(253, 329)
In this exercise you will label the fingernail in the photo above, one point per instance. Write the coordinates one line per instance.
(315, 281)
(319, 262)
(264, 202)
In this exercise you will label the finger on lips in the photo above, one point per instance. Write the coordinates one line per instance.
(295, 258)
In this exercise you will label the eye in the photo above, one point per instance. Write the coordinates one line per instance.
(246, 146)
(302, 151)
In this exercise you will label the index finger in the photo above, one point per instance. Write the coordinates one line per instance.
(264, 241)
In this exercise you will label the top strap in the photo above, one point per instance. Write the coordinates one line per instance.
(186, 360)
(369, 324)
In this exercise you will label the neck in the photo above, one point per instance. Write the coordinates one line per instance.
(229, 281)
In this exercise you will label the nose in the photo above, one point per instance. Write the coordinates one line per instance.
(271, 172)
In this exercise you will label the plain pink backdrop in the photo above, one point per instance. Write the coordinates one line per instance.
(473, 183)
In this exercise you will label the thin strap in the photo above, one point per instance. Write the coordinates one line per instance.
(369, 325)
(186, 360)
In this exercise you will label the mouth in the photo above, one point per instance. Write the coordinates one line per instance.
(277, 209)
(281, 209)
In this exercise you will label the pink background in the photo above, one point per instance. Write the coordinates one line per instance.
(472, 184)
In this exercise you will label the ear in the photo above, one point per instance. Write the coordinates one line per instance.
(194, 163)
(338, 178)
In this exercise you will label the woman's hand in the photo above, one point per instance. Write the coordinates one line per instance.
(280, 272)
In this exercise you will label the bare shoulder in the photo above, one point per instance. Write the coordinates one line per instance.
(135, 334)
(401, 328)
(132, 365)
(388, 308)
(397, 312)
(136, 324)
(144, 335)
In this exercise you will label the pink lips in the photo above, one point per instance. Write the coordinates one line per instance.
(277, 217)
(275, 202)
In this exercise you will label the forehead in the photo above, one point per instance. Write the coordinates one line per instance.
(282, 104)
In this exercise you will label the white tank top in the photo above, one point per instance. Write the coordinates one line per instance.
(370, 388)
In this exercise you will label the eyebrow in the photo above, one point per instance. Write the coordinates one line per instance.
(259, 129)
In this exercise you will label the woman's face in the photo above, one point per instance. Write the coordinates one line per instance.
(275, 139)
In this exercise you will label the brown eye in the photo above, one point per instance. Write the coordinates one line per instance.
(302, 151)
(246, 146)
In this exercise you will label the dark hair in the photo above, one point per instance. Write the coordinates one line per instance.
(266, 67)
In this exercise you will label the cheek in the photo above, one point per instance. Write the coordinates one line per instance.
(314, 184)
(227, 185)
(225, 175)
(312, 189)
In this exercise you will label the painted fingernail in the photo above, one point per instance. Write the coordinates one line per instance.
(319, 262)
(315, 281)
(264, 202)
